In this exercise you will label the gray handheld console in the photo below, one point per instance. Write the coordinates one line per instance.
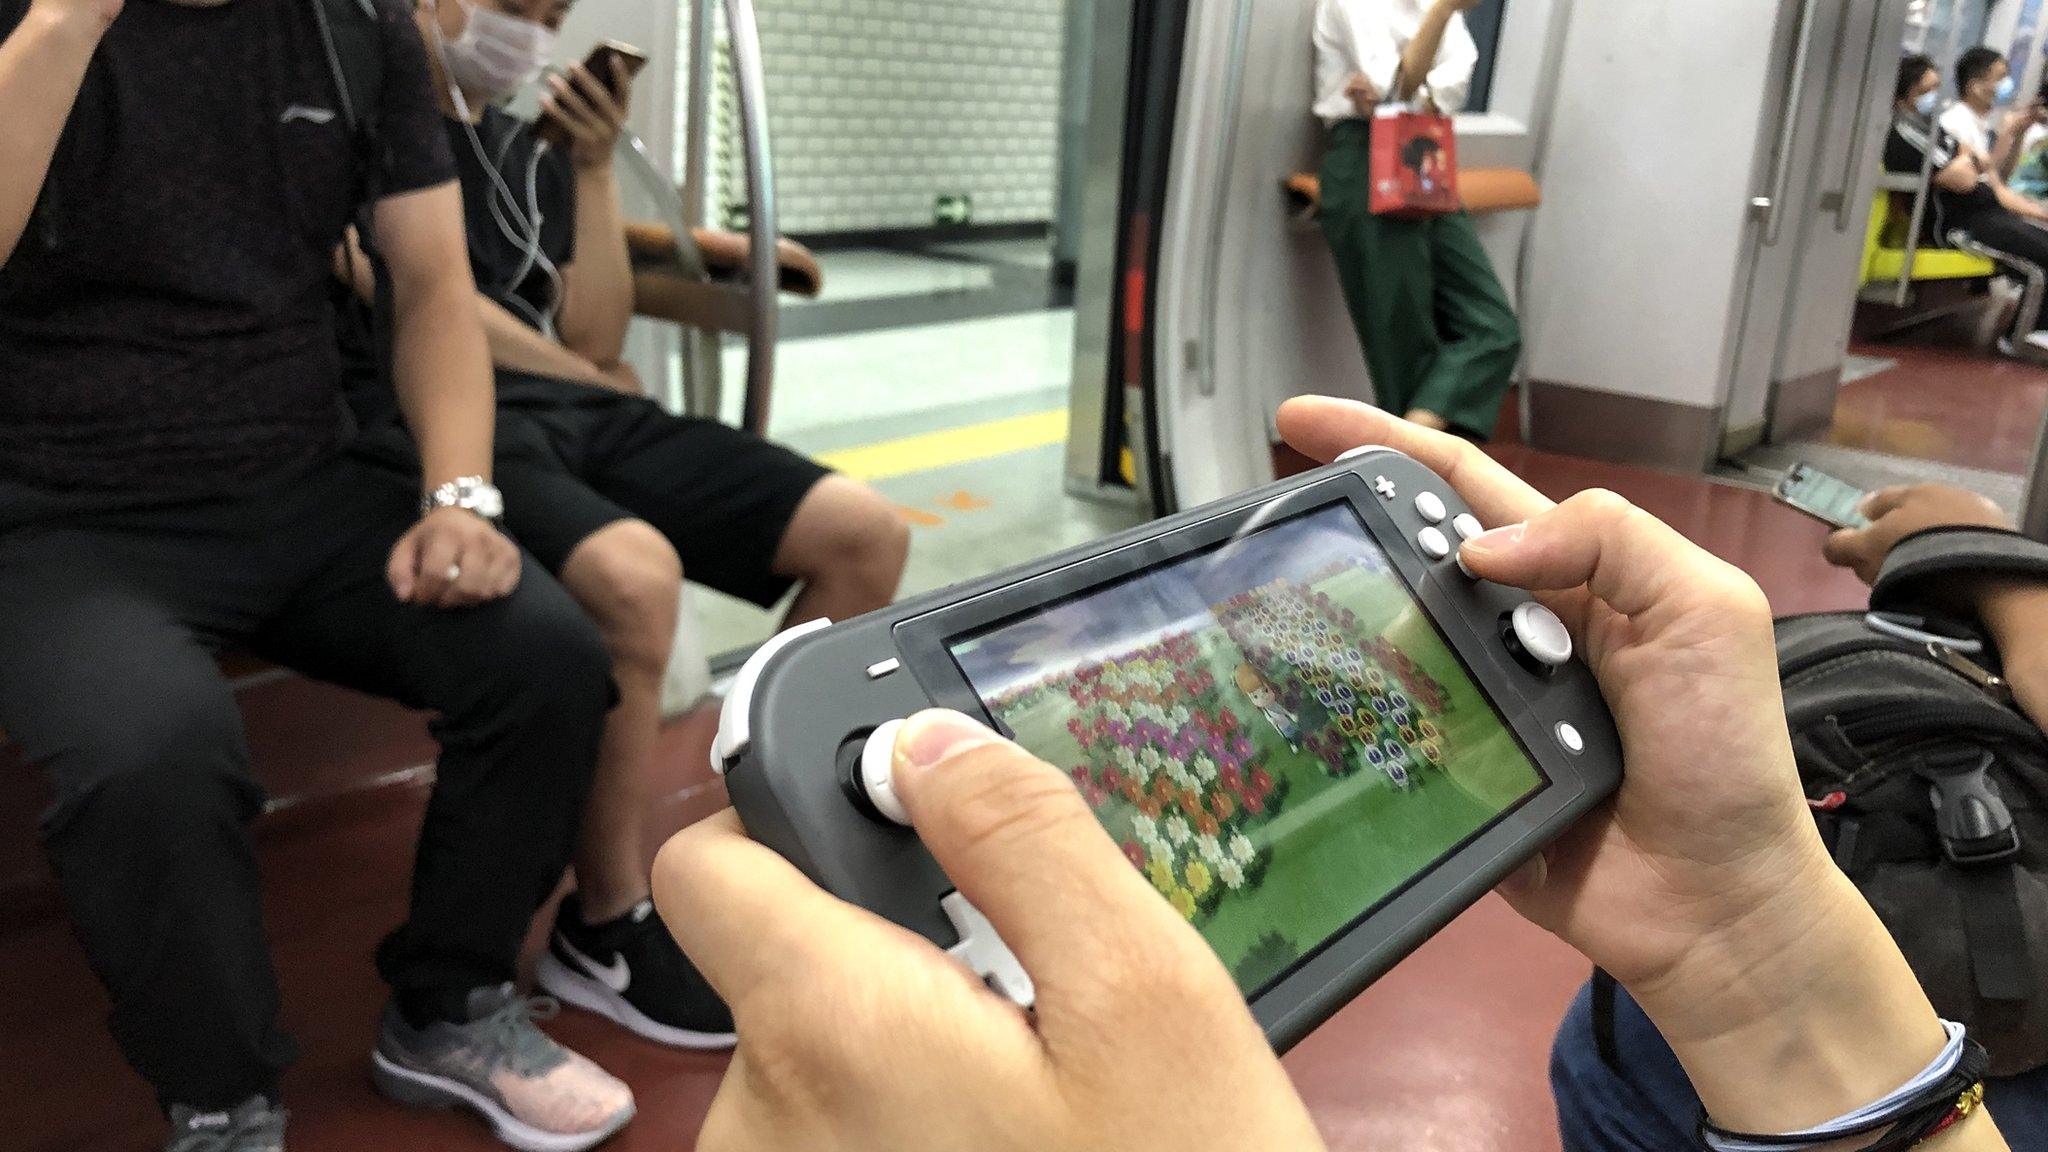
(1306, 725)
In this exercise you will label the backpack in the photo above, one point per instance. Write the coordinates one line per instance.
(1930, 789)
(1930, 786)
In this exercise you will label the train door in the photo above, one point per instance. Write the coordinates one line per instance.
(1799, 291)
(1812, 349)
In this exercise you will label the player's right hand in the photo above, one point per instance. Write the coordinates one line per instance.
(858, 1035)
(1711, 826)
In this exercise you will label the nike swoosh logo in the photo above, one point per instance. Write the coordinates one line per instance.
(310, 115)
(615, 975)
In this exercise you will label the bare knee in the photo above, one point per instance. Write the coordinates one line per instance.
(628, 578)
(846, 533)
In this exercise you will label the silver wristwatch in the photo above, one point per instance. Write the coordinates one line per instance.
(469, 493)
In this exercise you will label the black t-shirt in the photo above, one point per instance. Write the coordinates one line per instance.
(497, 253)
(165, 324)
(1905, 151)
(546, 188)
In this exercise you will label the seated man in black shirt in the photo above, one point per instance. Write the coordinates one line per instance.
(610, 492)
(174, 178)
(1967, 197)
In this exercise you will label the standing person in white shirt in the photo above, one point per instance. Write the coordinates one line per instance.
(1440, 337)
(1984, 81)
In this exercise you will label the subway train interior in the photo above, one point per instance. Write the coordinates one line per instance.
(1038, 272)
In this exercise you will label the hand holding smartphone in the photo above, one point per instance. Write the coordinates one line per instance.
(1833, 502)
(613, 65)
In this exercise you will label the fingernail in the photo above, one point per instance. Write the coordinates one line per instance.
(1502, 539)
(930, 737)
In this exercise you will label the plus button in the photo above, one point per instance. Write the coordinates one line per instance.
(1385, 488)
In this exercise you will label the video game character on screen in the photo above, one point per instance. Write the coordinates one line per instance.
(1273, 730)
(1267, 700)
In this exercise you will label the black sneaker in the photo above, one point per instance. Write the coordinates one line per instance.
(256, 1126)
(632, 972)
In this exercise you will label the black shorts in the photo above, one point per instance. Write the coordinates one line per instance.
(572, 460)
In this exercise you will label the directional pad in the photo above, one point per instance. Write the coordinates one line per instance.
(985, 953)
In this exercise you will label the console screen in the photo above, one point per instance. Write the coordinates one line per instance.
(1272, 729)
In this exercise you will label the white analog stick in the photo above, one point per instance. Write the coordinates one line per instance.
(878, 772)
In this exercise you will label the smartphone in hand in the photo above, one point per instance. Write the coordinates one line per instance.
(599, 64)
(1832, 502)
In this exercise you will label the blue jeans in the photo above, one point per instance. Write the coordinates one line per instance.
(1650, 1106)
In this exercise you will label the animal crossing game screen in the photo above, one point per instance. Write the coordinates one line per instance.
(1272, 729)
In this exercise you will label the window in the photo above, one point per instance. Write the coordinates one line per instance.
(1485, 23)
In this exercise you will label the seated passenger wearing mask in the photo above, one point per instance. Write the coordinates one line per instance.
(610, 492)
(1983, 82)
(174, 178)
(1967, 196)
(1704, 887)
(1635, 1097)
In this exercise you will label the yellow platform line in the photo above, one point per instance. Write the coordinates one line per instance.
(934, 450)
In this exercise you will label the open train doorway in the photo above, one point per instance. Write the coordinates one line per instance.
(932, 155)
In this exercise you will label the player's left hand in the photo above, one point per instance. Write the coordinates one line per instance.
(858, 1035)
(587, 108)
(1896, 513)
(453, 558)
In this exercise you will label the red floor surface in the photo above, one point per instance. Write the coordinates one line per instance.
(1944, 404)
(1446, 1053)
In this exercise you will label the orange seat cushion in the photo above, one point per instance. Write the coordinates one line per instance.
(1484, 190)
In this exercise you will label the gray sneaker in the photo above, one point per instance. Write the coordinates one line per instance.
(537, 1095)
(253, 1127)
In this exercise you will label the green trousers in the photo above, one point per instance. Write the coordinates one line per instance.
(1438, 331)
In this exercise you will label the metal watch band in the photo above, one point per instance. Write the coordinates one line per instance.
(472, 494)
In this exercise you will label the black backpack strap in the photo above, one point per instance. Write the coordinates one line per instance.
(1917, 565)
(1995, 929)
(1980, 846)
(352, 36)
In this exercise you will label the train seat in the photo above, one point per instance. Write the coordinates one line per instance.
(1885, 254)
(1483, 190)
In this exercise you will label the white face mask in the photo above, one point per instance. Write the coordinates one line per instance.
(496, 55)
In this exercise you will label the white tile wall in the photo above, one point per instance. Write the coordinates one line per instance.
(878, 107)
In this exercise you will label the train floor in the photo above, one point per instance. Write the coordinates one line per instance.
(1447, 1052)
(1922, 409)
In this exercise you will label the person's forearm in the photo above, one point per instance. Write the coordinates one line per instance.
(2016, 614)
(519, 347)
(598, 284)
(2015, 203)
(2004, 153)
(1799, 1011)
(442, 373)
(1420, 56)
(41, 67)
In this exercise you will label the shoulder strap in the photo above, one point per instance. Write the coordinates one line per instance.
(351, 33)
(1917, 564)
